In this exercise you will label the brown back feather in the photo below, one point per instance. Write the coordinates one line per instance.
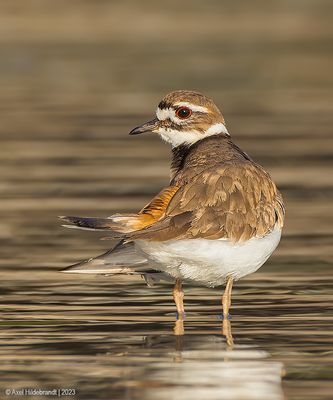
(234, 199)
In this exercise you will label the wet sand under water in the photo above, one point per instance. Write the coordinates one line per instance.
(116, 338)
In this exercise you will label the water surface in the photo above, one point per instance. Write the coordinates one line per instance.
(69, 96)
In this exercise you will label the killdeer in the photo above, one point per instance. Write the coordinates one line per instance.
(219, 219)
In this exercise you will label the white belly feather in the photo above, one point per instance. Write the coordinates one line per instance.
(209, 262)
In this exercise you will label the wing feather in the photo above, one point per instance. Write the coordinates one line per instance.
(231, 201)
(234, 201)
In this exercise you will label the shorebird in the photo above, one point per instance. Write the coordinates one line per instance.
(219, 219)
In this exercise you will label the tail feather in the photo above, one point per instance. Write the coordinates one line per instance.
(122, 259)
(88, 222)
(117, 223)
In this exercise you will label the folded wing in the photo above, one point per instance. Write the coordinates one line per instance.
(235, 202)
(231, 201)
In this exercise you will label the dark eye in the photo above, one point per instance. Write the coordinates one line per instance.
(183, 112)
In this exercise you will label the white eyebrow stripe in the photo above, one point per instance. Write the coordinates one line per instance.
(166, 113)
(163, 114)
(191, 106)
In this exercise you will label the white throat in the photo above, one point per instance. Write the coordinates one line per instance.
(176, 138)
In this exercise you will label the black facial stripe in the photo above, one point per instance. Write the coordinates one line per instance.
(164, 105)
(168, 124)
(175, 126)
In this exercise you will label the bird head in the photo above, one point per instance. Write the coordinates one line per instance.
(184, 117)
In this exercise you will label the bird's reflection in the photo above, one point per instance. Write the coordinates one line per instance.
(212, 366)
(179, 327)
(226, 331)
(179, 331)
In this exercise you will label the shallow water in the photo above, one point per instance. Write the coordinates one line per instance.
(115, 338)
(69, 97)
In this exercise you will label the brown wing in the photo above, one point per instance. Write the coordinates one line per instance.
(234, 201)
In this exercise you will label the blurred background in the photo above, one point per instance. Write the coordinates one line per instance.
(76, 76)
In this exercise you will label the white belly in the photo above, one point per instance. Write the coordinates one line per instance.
(209, 262)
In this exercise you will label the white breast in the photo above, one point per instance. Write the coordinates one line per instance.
(209, 261)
